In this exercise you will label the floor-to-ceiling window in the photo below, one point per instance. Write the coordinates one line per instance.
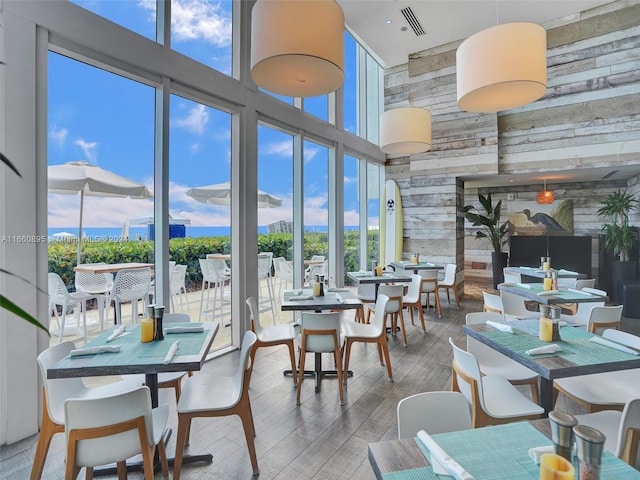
(351, 214)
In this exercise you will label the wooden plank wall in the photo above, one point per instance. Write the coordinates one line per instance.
(589, 117)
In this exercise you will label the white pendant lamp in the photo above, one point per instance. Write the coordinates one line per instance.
(297, 47)
(405, 130)
(502, 67)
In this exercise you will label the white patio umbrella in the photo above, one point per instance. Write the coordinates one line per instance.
(220, 194)
(73, 177)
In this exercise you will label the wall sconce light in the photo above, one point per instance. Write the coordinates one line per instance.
(405, 130)
(502, 67)
(297, 48)
(545, 197)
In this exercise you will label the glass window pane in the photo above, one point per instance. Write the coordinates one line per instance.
(374, 188)
(199, 202)
(351, 215)
(350, 84)
(202, 30)
(374, 88)
(318, 107)
(139, 17)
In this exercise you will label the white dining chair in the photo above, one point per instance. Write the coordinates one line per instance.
(97, 284)
(60, 296)
(433, 412)
(493, 362)
(412, 300)
(111, 429)
(177, 286)
(602, 318)
(583, 309)
(266, 301)
(492, 398)
(132, 285)
(492, 303)
(428, 287)
(450, 282)
(515, 308)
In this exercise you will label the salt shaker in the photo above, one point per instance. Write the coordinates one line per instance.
(554, 314)
(159, 312)
(590, 444)
(562, 433)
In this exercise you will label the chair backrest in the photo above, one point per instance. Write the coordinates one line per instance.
(630, 420)
(492, 302)
(220, 266)
(624, 338)
(325, 322)
(379, 315)
(395, 294)
(429, 281)
(176, 280)
(59, 389)
(605, 317)
(254, 313)
(512, 277)
(366, 291)
(449, 274)
(433, 412)
(277, 263)
(414, 290)
(93, 413)
(286, 270)
(317, 258)
(467, 365)
(209, 272)
(93, 282)
(585, 283)
(265, 259)
(132, 284)
(57, 289)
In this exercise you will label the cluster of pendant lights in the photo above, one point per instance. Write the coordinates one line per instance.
(297, 49)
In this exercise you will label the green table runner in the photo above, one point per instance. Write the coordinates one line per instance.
(145, 353)
(575, 344)
(501, 453)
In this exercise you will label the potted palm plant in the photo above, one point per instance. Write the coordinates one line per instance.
(488, 218)
(619, 237)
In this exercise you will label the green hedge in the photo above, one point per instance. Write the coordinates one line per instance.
(187, 251)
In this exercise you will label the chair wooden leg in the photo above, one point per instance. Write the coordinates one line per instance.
(421, 315)
(292, 355)
(438, 304)
(411, 314)
(402, 327)
(301, 369)
(162, 453)
(47, 430)
(382, 343)
(455, 293)
(247, 425)
(336, 355)
(347, 355)
(88, 475)
(184, 421)
(121, 468)
(380, 355)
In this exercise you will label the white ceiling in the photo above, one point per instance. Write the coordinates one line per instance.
(446, 21)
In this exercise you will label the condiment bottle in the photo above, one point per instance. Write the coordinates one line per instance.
(589, 445)
(547, 282)
(554, 280)
(374, 267)
(545, 326)
(321, 282)
(159, 313)
(555, 323)
(147, 326)
(416, 258)
(316, 286)
(562, 433)
(546, 264)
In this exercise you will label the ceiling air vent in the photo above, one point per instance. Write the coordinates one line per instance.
(413, 21)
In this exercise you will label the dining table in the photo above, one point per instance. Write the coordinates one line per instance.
(300, 300)
(110, 267)
(415, 267)
(368, 278)
(488, 453)
(538, 272)
(136, 357)
(579, 354)
(564, 295)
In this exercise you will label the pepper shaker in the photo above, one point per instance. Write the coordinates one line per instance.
(590, 445)
(562, 433)
(159, 312)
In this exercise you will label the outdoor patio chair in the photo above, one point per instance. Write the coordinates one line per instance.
(177, 286)
(283, 272)
(98, 284)
(59, 295)
(112, 429)
(266, 302)
(130, 286)
(211, 281)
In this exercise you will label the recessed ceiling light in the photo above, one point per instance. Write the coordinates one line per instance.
(389, 21)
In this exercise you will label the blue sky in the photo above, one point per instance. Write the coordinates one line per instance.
(107, 120)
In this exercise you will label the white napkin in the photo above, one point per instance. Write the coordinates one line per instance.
(185, 329)
(536, 452)
(95, 350)
(116, 333)
(548, 292)
(553, 348)
(617, 346)
(294, 292)
(300, 297)
(441, 462)
(172, 352)
(500, 326)
(337, 289)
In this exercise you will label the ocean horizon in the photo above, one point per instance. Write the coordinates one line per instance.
(114, 234)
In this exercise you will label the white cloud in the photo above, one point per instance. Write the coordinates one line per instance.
(284, 148)
(195, 120)
(350, 179)
(58, 136)
(89, 150)
(310, 153)
(201, 20)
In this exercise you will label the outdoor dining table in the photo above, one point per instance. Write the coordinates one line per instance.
(136, 357)
(488, 453)
(416, 267)
(303, 300)
(536, 292)
(110, 268)
(578, 354)
(537, 272)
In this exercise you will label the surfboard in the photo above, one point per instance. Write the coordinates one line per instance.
(390, 224)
